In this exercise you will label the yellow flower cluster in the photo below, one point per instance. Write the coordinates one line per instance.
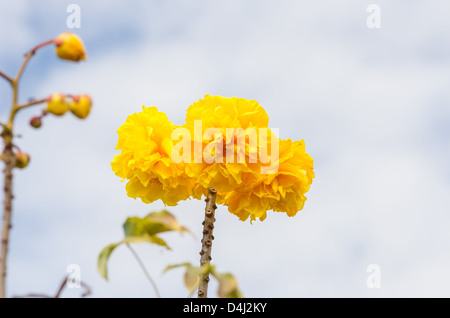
(222, 114)
(281, 191)
(145, 160)
(80, 105)
(251, 169)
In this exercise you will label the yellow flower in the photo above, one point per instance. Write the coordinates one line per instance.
(226, 112)
(145, 160)
(57, 104)
(70, 47)
(229, 147)
(230, 118)
(80, 106)
(281, 191)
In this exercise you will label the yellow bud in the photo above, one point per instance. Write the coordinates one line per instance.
(22, 160)
(70, 47)
(57, 104)
(81, 106)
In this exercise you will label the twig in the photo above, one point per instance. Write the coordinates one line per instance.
(87, 291)
(31, 103)
(28, 56)
(61, 287)
(6, 77)
(9, 159)
(33, 296)
(208, 226)
(141, 264)
(37, 47)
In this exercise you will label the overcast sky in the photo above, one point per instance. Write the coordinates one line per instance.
(371, 104)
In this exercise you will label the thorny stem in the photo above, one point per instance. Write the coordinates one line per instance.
(208, 226)
(9, 159)
(144, 270)
(8, 156)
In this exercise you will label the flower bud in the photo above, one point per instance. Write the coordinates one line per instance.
(81, 106)
(36, 122)
(57, 104)
(70, 47)
(22, 159)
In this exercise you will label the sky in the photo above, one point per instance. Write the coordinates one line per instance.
(371, 104)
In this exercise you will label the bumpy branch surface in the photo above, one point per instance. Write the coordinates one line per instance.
(9, 165)
(9, 159)
(208, 226)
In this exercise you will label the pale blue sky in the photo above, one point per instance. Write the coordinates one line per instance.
(371, 104)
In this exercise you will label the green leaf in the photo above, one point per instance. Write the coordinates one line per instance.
(228, 286)
(168, 219)
(154, 223)
(142, 230)
(146, 239)
(235, 294)
(191, 277)
(138, 230)
(102, 262)
(192, 274)
(170, 267)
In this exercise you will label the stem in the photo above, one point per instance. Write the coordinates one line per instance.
(208, 226)
(8, 157)
(35, 102)
(87, 291)
(61, 287)
(37, 47)
(144, 270)
(28, 56)
(6, 77)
